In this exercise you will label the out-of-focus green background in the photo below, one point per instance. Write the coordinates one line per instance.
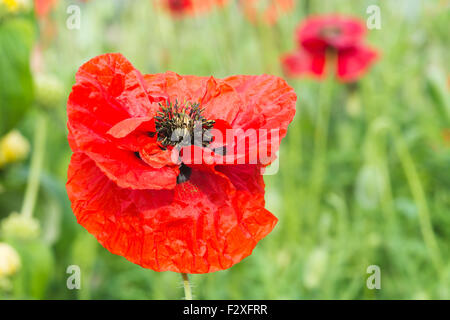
(375, 192)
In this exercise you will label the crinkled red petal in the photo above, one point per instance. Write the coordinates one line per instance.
(206, 224)
(107, 93)
(269, 103)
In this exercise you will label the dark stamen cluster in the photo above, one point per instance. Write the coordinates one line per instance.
(330, 32)
(182, 125)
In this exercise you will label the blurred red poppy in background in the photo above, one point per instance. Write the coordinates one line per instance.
(267, 11)
(43, 7)
(338, 39)
(48, 28)
(190, 7)
(128, 192)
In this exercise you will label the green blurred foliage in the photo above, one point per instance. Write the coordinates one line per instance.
(33, 280)
(385, 195)
(16, 84)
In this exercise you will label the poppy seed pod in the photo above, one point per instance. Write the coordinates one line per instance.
(48, 91)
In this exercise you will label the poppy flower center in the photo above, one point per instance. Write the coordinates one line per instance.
(178, 125)
(330, 32)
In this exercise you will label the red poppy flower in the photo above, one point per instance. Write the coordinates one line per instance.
(191, 7)
(127, 190)
(268, 11)
(326, 36)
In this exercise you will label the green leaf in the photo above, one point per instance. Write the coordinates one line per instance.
(16, 84)
(437, 89)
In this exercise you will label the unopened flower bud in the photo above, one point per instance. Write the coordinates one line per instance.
(48, 90)
(17, 226)
(13, 147)
(9, 260)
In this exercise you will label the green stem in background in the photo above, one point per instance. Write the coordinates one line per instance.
(418, 194)
(228, 25)
(187, 287)
(37, 159)
(376, 154)
(319, 164)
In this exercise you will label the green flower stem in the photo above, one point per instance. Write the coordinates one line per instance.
(37, 159)
(376, 153)
(319, 164)
(187, 287)
(226, 21)
(266, 44)
(418, 194)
